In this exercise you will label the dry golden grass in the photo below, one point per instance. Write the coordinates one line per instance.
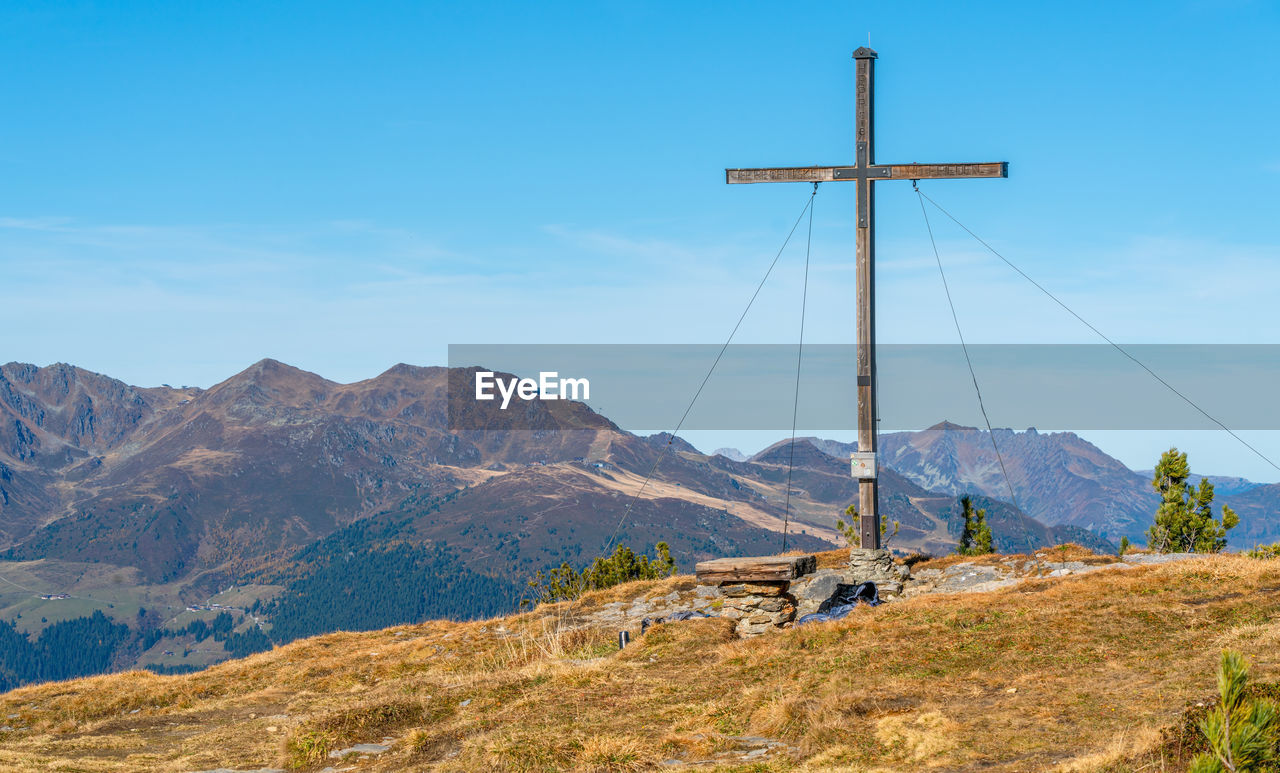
(1078, 673)
(1057, 554)
(921, 738)
(833, 559)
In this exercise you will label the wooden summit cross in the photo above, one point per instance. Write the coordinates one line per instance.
(864, 172)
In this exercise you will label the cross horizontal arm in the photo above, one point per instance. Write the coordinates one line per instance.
(822, 174)
(792, 174)
(947, 171)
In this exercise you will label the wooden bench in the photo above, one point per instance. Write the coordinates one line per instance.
(755, 569)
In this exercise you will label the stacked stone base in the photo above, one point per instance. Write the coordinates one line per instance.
(757, 606)
(867, 565)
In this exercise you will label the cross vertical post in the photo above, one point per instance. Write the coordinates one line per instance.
(865, 289)
(864, 173)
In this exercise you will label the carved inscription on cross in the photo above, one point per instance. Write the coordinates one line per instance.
(864, 172)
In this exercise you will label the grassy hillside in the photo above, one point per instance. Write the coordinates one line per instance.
(1095, 672)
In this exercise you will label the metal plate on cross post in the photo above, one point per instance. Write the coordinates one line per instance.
(863, 465)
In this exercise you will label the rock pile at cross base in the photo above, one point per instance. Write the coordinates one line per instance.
(764, 606)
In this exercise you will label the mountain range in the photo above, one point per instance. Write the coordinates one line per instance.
(1060, 479)
(276, 484)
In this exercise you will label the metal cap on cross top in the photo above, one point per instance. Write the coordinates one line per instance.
(865, 171)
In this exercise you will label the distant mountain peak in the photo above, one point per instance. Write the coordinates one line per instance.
(273, 373)
(947, 426)
(405, 369)
(678, 443)
(273, 367)
(805, 453)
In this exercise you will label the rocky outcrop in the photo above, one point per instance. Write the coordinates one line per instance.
(629, 615)
(973, 577)
(760, 607)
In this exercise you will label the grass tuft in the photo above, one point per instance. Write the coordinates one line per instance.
(614, 754)
(307, 749)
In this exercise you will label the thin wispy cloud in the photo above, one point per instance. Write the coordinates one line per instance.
(613, 244)
(58, 250)
(34, 223)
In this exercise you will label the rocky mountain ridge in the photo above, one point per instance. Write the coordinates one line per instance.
(114, 498)
(1060, 479)
(180, 482)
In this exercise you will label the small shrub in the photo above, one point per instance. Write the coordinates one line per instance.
(565, 584)
(1242, 732)
(853, 535)
(1265, 551)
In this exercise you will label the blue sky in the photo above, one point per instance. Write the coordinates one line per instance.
(187, 188)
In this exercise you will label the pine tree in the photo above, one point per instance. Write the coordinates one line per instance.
(1185, 521)
(975, 535)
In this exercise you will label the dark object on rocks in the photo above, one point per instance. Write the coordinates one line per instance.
(864, 592)
(843, 601)
(624, 638)
(674, 617)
